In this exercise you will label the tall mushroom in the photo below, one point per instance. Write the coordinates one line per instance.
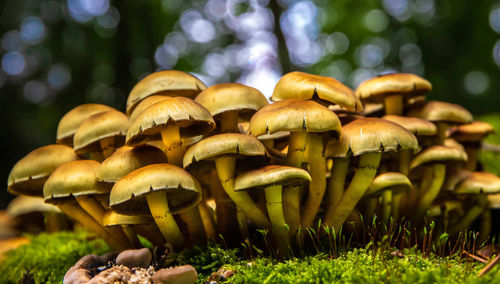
(366, 138)
(160, 190)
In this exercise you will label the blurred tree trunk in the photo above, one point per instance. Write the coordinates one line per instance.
(283, 55)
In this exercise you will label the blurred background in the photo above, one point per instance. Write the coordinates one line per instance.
(55, 54)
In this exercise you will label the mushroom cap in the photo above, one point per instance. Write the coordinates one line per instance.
(215, 146)
(128, 195)
(453, 177)
(127, 159)
(479, 183)
(438, 154)
(395, 182)
(417, 126)
(494, 201)
(169, 83)
(368, 135)
(304, 86)
(441, 111)
(471, 132)
(97, 127)
(192, 119)
(221, 98)
(144, 104)
(111, 218)
(294, 115)
(408, 85)
(29, 174)
(77, 178)
(28, 204)
(450, 142)
(446, 206)
(71, 121)
(272, 175)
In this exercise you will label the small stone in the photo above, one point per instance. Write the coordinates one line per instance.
(134, 258)
(80, 272)
(185, 274)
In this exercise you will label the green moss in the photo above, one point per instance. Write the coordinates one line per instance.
(48, 256)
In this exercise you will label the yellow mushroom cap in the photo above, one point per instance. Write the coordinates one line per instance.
(128, 195)
(453, 177)
(192, 119)
(471, 132)
(294, 115)
(272, 175)
(494, 201)
(29, 174)
(367, 135)
(75, 178)
(441, 111)
(144, 104)
(446, 206)
(395, 182)
(439, 154)
(407, 85)
(417, 126)
(169, 82)
(127, 159)
(450, 142)
(224, 144)
(221, 98)
(111, 218)
(479, 182)
(68, 125)
(304, 86)
(97, 127)
(28, 204)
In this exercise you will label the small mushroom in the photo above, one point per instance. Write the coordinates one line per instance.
(471, 135)
(31, 213)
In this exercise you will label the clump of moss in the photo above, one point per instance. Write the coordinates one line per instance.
(48, 256)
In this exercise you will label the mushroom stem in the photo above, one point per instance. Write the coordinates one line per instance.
(194, 222)
(107, 146)
(54, 222)
(158, 205)
(394, 105)
(485, 227)
(386, 206)
(275, 210)
(96, 156)
(242, 222)
(229, 121)
(336, 183)
(171, 138)
(208, 221)
(404, 168)
(74, 211)
(226, 170)
(430, 193)
(291, 197)
(471, 163)
(317, 187)
(470, 216)
(367, 169)
(131, 235)
(96, 210)
(442, 128)
(151, 233)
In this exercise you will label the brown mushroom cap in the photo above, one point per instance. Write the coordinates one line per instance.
(29, 174)
(221, 98)
(272, 175)
(376, 89)
(366, 135)
(471, 132)
(479, 182)
(75, 178)
(128, 195)
(28, 204)
(144, 104)
(219, 145)
(127, 159)
(169, 83)
(395, 182)
(416, 125)
(97, 127)
(71, 121)
(294, 115)
(304, 86)
(192, 119)
(494, 201)
(438, 154)
(441, 111)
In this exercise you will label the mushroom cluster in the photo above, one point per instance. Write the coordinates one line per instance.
(186, 163)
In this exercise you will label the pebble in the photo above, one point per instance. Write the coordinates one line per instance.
(134, 258)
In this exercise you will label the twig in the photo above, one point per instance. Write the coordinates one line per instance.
(475, 257)
(490, 265)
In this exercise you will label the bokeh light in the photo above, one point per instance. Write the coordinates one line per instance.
(13, 63)
(476, 82)
(32, 30)
(58, 76)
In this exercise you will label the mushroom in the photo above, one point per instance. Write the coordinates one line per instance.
(470, 135)
(436, 156)
(367, 138)
(70, 188)
(145, 103)
(224, 150)
(306, 121)
(71, 121)
(161, 190)
(170, 83)
(100, 134)
(392, 90)
(274, 179)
